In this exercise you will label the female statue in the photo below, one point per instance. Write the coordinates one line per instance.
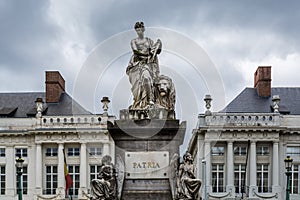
(187, 185)
(105, 186)
(143, 68)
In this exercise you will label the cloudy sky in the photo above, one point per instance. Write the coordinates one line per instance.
(231, 38)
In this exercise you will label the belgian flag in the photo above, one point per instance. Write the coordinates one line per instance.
(68, 178)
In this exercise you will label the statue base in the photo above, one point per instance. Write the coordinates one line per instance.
(146, 147)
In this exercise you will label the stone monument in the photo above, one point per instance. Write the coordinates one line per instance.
(147, 136)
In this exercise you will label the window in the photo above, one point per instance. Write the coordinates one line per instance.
(2, 152)
(73, 152)
(24, 180)
(51, 152)
(263, 178)
(94, 171)
(74, 173)
(95, 151)
(2, 180)
(239, 178)
(217, 151)
(293, 151)
(262, 151)
(51, 179)
(218, 178)
(295, 179)
(21, 152)
(240, 150)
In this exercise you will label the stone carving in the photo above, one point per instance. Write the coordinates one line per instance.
(120, 168)
(153, 94)
(105, 186)
(187, 185)
(165, 93)
(143, 68)
(173, 173)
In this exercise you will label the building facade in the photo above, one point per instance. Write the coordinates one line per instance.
(239, 152)
(48, 135)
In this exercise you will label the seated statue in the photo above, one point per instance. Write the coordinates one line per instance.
(105, 186)
(187, 185)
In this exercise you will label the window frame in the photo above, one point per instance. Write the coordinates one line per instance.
(219, 187)
(23, 152)
(260, 182)
(52, 176)
(261, 152)
(95, 151)
(2, 179)
(2, 152)
(218, 150)
(53, 152)
(73, 151)
(75, 175)
(241, 178)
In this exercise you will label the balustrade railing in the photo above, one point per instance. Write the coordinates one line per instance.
(242, 119)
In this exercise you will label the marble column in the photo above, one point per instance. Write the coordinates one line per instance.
(275, 164)
(83, 172)
(39, 168)
(252, 169)
(207, 154)
(60, 170)
(230, 169)
(10, 170)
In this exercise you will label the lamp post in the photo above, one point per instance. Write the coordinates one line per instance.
(288, 166)
(19, 165)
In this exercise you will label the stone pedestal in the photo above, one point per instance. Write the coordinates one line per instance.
(147, 146)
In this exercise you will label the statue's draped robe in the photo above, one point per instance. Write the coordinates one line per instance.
(104, 188)
(142, 70)
(188, 185)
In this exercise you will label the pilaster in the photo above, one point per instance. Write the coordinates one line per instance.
(252, 169)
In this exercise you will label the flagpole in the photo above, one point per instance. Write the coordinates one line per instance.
(244, 182)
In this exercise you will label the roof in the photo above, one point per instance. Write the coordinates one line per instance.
(248, 101)
(23, 105)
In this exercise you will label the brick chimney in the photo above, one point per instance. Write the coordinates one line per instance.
(55, 86)
(262, 81)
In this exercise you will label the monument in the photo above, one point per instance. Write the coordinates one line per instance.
(147, 136)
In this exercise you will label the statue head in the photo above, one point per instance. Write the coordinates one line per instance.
(139, 26)
(106, 160)
(187, 157)
(165, 92)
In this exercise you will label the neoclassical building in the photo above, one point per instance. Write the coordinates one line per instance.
(44, 128)
(239, 151)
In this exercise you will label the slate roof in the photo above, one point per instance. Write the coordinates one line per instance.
(248, 101)
(23, 105)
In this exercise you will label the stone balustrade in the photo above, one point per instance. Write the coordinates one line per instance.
(240, 119)
(69, 121)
